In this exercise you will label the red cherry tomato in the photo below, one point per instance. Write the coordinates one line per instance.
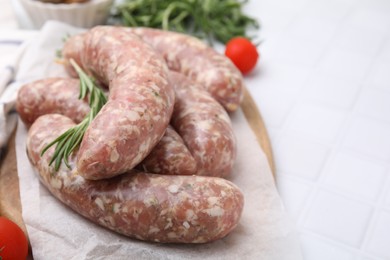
(242, 53)
(13, 242)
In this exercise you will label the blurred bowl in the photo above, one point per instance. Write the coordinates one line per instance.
(85, 15)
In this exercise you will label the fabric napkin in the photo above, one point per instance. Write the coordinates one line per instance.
(8, 67)
(57, 232)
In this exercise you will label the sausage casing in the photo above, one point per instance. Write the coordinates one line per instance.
(204, 126)
(60, 95)
(152, 207)
(53, 95)
(139, 106)
(190, 56)
(170, 156)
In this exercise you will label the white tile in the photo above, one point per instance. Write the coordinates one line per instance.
(294, 195)
(276, 89)
(368, 19)
(384, 53)
(278, 5)
(332, 10)
(370, 137)
(381, 5)
(347, 64)
(374, 103)
(314, 248)
(320, 122)
(331, 90)
(300, 52)
(387, 196)
(275, 15)
(274, 107)
(286, 79)
(338, 218)
(268, 49)
(356, 176)
(379, 75)
(369, 258)
(380, 239)
(312, 29)
(273, 132)
(351, 38)
(299, 156)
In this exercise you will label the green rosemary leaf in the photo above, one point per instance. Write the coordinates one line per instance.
(83, 89)
(59, 53)
(59, 157)
(201, 18)
(58, 151)
(67, 142)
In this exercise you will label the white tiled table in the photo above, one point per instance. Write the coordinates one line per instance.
(323, 88)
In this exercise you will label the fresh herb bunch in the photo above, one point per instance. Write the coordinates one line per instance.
(211, 19)
(67, 142)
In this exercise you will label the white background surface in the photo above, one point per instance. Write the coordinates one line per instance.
(323, 88)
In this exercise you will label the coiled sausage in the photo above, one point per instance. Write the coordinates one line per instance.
(152, 207)
(139, 106)
(190, 56)
(60, 95)
(204, 126)
(47, 96)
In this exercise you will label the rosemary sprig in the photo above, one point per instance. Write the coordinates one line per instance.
(67, 142)
(208, 19)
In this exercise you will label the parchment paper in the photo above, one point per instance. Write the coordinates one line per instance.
(57, 232)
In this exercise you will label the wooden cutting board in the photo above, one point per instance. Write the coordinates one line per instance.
(10, 205)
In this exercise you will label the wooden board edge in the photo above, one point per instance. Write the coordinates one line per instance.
(10, 204)
(255, 120)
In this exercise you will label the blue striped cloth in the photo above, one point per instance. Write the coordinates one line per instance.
(23, 61)
(8, 68)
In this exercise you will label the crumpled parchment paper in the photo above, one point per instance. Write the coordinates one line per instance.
(57, 232)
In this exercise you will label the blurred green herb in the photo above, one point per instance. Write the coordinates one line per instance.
(210, 19)
(59, 53)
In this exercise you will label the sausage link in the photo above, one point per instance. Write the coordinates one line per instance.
(152, 207)
(204, 126)
(170, 156)
(139, 106)
(72, 49)
(192, 57)
(47, 96)
(59, 95)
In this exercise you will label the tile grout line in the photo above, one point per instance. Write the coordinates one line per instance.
(378, 208)
(313, 193)
(285, 123)
(318, 184)
(374, 215)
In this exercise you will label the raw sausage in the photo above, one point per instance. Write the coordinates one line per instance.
(152, 207)
(195, 59)
(54, 95)
(204, 126)
(72, 49)
(139, 106)
(60, 95)
(170, 156)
